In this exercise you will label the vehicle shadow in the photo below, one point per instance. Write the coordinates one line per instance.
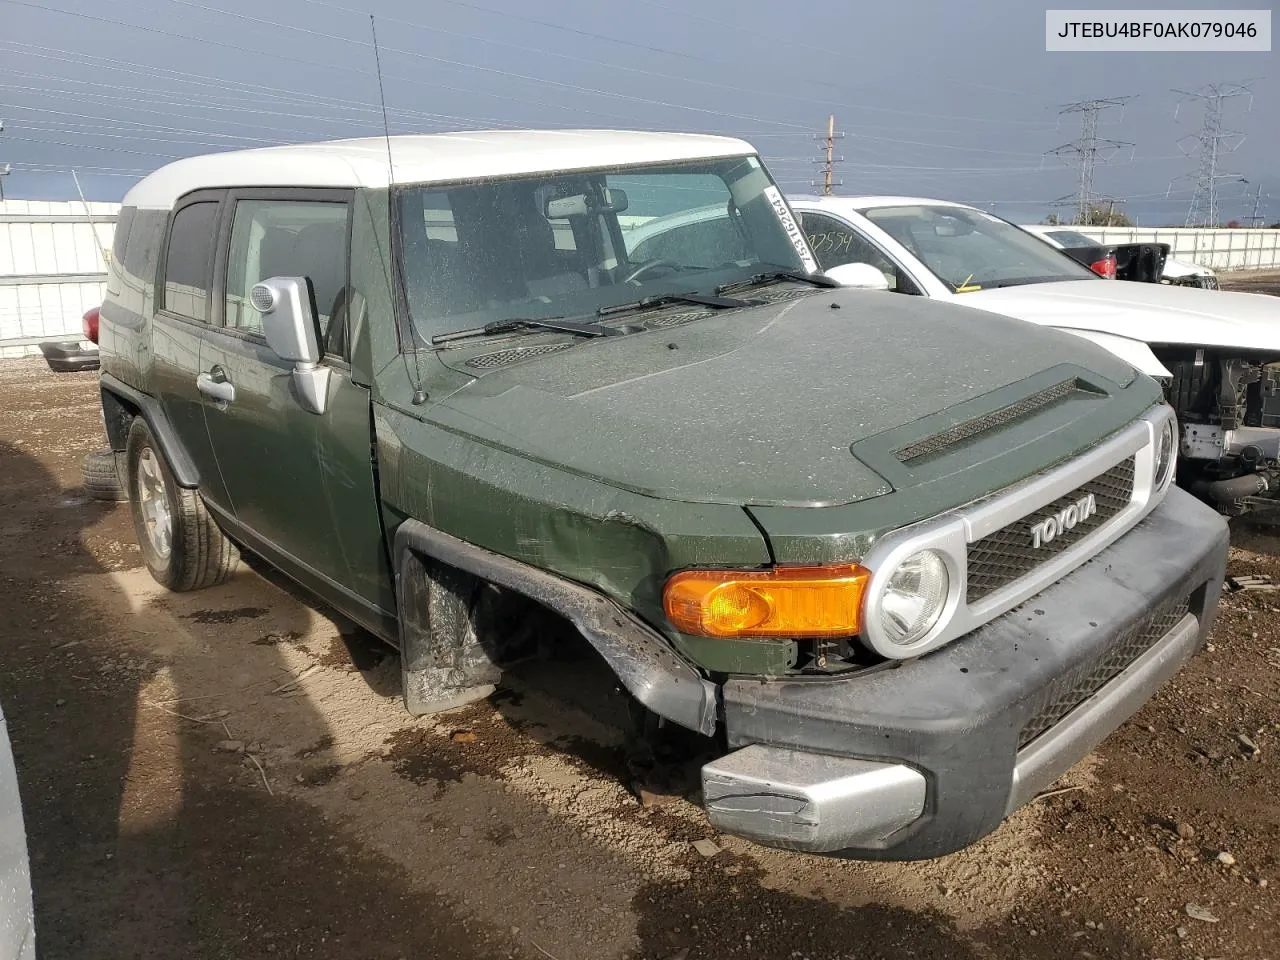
(143, 725)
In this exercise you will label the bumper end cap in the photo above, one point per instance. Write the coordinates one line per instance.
(811, 802)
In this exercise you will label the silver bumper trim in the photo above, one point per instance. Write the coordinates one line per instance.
(810, 801)
(1050, 755)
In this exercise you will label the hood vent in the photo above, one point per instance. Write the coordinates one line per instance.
(781, 296)
(755, 299)
(671, 319)
(962, 432)
(502, 358)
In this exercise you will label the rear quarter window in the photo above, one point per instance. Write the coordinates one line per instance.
(188, 260)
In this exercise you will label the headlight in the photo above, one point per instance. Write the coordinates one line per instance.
(914, 597)
(1166, 450)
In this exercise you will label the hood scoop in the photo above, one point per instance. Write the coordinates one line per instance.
(971, 429)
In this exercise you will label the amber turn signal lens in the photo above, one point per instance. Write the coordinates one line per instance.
(782, 602)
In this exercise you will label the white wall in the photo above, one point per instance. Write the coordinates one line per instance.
(1216, 249)
(51, 269)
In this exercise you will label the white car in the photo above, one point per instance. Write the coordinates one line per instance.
(1217, 353)
(17, 924)
(1177, 272)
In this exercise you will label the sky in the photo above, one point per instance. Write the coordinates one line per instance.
(935, 98)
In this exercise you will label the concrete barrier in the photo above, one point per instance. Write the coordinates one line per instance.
(51, 269)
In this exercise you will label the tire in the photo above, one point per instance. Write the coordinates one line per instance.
(195, 553)
(101, 473)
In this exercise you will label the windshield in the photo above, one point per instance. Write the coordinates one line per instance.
(971, 250)
(567, 245)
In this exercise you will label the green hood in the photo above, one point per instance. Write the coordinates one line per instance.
(760, 406)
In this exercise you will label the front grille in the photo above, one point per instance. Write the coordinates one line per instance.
(501, 358)
(961, 432)
(1072, 689)
(1000, 558)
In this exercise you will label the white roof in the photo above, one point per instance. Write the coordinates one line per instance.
(867, 202)
(425, 158)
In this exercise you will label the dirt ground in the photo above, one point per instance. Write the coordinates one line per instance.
(1252, 281)
(230, 774)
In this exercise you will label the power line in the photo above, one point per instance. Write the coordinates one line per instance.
(1211, 143)
(1089, 150)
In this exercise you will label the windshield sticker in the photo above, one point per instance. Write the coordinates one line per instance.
(794, 234)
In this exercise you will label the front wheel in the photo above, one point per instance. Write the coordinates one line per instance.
(181, 543)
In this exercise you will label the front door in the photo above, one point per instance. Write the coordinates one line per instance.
(301, 485)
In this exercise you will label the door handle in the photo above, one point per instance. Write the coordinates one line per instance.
(210, 385)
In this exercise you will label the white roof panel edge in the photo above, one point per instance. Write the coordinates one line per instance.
(425, 158)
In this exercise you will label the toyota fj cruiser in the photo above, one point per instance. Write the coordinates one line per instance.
(907, 561)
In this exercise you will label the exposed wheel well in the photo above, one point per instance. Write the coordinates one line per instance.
(117, 416)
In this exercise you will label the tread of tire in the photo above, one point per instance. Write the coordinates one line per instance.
(212, 557)
(101, 478)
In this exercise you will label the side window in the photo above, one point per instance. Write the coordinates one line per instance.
(835, 243)
(141, 257)
(119, 241)
(186, 270)
(121, 235)
(287, 238)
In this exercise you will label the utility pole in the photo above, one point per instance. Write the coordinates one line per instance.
(4, 168)
(1211, 143)
(1255, 219)
(1088, 151)
(829, 161)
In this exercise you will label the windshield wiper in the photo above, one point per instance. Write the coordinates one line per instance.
(817, 279)
(530, 323)
(657, 300)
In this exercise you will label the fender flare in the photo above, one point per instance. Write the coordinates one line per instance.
(640, 657)
(149, 408)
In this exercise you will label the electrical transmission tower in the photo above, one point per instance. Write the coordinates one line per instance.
(1255, 219)
(1212, 143)
(1089, 151)
(829, 160)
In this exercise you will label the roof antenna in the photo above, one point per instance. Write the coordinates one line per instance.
(419, 394)
(382, 96)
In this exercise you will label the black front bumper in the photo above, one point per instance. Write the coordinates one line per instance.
(69, 357)
(973, 718)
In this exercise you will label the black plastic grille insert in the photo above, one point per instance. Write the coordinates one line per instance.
(1002, 557)
(1072, 689)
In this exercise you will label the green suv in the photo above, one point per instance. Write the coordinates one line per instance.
(906, 561)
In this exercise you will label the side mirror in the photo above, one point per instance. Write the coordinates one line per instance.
(290, 328)
(862, 275)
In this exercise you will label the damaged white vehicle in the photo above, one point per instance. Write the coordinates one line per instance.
(1217, 353)
(1176, 271)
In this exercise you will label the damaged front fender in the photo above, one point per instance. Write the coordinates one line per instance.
(642, 660)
